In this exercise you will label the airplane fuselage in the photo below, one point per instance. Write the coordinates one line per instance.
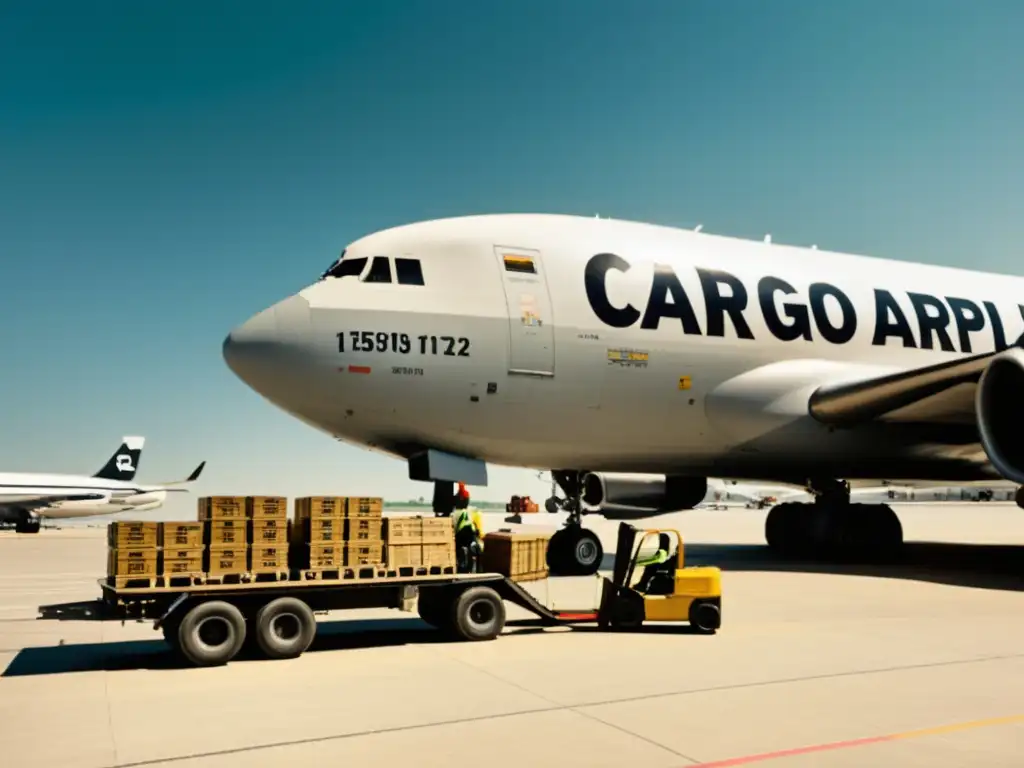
(627, 348)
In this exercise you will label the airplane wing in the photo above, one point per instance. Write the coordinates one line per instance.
(943, 392)
(46, 500)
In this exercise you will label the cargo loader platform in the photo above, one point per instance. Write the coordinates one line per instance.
(208, 624)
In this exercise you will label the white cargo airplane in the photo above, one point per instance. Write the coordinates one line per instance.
(25, 498)
(594, 346)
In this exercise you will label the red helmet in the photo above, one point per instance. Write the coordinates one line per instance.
(462, 492)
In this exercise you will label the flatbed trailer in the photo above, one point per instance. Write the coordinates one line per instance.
(209, 624)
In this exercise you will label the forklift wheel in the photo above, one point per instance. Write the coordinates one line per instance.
(705, 617)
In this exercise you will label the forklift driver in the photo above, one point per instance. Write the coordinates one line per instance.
(659, 569)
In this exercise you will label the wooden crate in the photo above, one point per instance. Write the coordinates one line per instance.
(222, 508)
(268, 533)
(520, 556)
(183, 563)
(364, 506)
(319, 506)
(418, 530)
(226, 533)
(266, 507)
(357, 554)
(180, 535)
(420, 555)
(224, 561)
(318, 530)
(131, 534)
(365, 529)
(267, 559)
(318, 556)
(131, 567)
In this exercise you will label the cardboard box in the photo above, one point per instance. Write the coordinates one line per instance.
(418, 530)
(226, 533)
(182, 562)
(420, 555)
(179, 535)
(319, 506)
(318, 530)
(268, 533)
(227, 560)
(319, 556)
(266, 507)
(364, 529)
(132, 563)
(357, 554)
(131, 534)
(364, 506)
(264, 559)
(222, 508)
(520, 556)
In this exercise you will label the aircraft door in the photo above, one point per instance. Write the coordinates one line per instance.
(530, 318)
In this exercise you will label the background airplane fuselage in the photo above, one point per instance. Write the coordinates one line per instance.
(18, 487)
(634, 348)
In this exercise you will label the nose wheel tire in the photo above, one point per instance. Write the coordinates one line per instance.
(574, 551)
(211, 634)
(284, 628)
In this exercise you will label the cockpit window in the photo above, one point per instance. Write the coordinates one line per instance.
(408, 272)
(380, 271)
(346, 268)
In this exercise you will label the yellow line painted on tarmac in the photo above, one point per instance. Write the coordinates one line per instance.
(918, 733)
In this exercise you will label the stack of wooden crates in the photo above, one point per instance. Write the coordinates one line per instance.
(418, 545)
(147, 554)
(334, 532)
(245, 537)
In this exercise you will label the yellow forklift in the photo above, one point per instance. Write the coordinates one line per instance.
(664, 591)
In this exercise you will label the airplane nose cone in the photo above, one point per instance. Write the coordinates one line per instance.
(264, 348)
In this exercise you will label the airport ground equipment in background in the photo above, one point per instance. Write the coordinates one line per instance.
(210, 623)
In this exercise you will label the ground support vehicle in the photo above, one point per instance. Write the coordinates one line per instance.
(208, 624)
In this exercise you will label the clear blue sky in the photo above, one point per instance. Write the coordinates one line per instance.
(167, 169)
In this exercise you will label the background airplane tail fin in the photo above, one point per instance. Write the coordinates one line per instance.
(125, 462)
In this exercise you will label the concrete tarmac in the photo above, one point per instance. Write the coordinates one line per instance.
(816, 665)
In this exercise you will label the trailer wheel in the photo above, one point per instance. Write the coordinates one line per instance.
(170, 630)
(433, 606)
(478, 613)
(212, 633)
(285, 628)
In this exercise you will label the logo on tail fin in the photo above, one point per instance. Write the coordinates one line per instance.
(125, 462)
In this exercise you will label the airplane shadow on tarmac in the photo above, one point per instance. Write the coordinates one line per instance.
(985, 566)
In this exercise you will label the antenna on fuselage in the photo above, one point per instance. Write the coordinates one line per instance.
(698, 228)
(768, 238)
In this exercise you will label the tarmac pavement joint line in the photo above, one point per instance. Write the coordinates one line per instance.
(834, 745)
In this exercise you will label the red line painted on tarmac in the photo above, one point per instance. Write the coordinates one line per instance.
(359, 369)
(746, 759)
(965, 726)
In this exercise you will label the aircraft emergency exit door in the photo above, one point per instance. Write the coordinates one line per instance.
(530, 320)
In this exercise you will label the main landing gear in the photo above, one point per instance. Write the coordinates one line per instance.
(833, 527)
(573, 550)
(26, 523)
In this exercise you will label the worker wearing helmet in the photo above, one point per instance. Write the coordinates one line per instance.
(469, 531)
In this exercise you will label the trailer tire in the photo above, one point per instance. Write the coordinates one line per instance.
(212, 633)
(478, 613)
(285, 628)
(170, 630)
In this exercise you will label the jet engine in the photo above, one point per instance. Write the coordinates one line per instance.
(622, 496)
(999, 406)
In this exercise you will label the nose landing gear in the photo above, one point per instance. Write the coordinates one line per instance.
(573, 550)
